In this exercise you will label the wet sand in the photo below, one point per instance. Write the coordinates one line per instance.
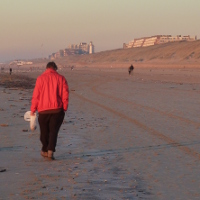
(123, 137)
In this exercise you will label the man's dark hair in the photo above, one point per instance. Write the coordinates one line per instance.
(52, 65)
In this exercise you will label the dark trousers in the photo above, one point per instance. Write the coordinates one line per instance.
(49, 127)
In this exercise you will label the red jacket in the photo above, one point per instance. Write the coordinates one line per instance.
(50, 92)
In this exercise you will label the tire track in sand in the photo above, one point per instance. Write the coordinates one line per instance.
(182, 119)
(143, 126)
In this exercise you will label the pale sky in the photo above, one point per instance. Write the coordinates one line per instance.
(38, 28)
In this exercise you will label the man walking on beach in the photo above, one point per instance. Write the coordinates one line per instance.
(130, 69)
(50, 99)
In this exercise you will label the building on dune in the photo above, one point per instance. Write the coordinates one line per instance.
(20, 62)
(82, 48)
(157, 39)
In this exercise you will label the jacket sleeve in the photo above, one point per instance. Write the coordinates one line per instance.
(65, 94)
(35, 97)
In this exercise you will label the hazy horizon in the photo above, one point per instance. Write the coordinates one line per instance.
(35, 29)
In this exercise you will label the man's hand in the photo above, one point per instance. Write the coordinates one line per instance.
(32, 113)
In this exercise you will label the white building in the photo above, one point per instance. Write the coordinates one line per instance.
(158, 39)
(91, 48)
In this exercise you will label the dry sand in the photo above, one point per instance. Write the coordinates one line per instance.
(123, 137)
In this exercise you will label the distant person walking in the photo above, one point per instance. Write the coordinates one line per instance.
(130, 69)
(50, 99)
(10, 71)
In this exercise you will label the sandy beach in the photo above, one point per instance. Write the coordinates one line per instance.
(123, 137)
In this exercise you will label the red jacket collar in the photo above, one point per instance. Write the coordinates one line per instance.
(49, 70)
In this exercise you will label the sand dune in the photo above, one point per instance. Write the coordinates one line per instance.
(176, 54)
(169, 53)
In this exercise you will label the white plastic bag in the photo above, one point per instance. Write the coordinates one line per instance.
(27, 116)
(31, 119)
